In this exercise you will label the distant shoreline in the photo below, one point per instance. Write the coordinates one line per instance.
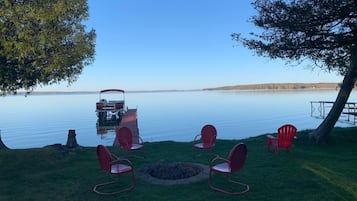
(281, 86)
(265, 86)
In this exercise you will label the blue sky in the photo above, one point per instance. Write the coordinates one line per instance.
(178, 44)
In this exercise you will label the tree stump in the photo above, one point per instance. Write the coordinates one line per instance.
(71, 140)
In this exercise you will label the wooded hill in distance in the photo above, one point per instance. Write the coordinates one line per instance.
(279, 86)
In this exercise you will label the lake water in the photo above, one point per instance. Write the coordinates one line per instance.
(40, 120)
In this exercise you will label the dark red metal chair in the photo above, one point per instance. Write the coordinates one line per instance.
(284, 139)
(227, 166)
(113, 165)
(125, 138)
(205, 140)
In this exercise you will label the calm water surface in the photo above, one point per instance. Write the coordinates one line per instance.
(40, 120)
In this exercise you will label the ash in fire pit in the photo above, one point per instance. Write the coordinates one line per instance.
(173, 172)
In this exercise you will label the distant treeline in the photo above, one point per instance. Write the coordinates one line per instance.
(279, 86)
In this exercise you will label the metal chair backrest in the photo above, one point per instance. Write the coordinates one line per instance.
(104, 158)
(125, 137)
(237, 157)
(208, 135)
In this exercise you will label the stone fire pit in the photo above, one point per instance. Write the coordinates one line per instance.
(169, 173)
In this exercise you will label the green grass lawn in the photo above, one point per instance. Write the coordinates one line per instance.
(314, 172)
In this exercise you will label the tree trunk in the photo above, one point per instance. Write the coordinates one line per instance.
(2, 145)
(323, 130)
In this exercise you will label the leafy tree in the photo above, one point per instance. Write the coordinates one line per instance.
(43, 42)
(322, 31)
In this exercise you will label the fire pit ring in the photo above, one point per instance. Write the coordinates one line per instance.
(171, 173)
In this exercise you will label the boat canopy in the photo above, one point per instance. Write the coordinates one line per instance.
(112, 90)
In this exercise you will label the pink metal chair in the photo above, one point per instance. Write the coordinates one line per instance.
(111, 164)
(284, 139)
(125, 138)
(233, 163)
(205, 140)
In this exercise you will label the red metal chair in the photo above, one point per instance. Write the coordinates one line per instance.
(284, 139)
(233, 163)
(111, 164)
(205, 140)
(125, 138)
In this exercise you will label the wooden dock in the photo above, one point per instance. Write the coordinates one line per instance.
(320, 109)
(130, 120)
